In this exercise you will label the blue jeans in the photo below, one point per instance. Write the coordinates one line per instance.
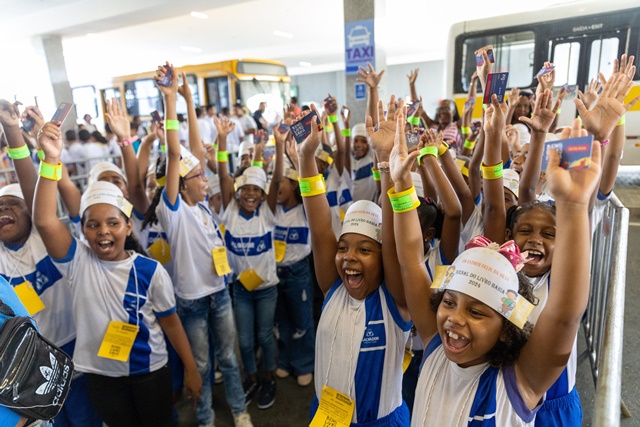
(294, 317)
(78, 411)
(255, 310)
(214, 313)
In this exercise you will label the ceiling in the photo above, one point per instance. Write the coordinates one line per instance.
(116, 37)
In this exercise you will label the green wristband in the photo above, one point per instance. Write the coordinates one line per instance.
(492, 172)
(346, 132)
(469, 144)
(376, 174)
(414, 120)
(40, 155)
(171, 124)
(466, 130)
(333, 119)
(254, 163)
(403, 201)
(19, 153)
(49, 171)
(427, 151)
(163, 148)
(223, 156)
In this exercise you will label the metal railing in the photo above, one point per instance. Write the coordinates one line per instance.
(603, 321)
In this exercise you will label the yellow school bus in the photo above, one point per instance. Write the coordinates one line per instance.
(250, 81)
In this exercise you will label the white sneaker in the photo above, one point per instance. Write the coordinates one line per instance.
(218, 378)
(305, 380)
(282, 373)
(243, 420)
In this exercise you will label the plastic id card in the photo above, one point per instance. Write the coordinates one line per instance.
(160, 251)
(29, 297)
(220, 261)
(335, 409)
(280, 247)
(118, 341)
(250, 279)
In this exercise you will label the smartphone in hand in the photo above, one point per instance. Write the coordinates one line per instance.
(62, 112)
(166, 80)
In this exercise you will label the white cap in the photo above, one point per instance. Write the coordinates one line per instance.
(102, 167)
(417, 183)
(245, 148)
(523, 132)
(511, 181)
(253, 175)
(359, 130)
(104, 192)
(214, 185)
(363, 217)
(488, 276)
(12, 190)
(188, 161)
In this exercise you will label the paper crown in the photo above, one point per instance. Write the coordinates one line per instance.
(253, 175)
(104, 192)
(365, 218)
(102, 167)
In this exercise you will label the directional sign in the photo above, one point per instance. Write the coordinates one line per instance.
(359, 45)
(361, 91)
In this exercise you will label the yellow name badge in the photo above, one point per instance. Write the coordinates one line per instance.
(118, 341)
(160, 251)
(250, 279)
(29, 297)
(335, 409)
(406, 360)
(280, 248)
(220, 261)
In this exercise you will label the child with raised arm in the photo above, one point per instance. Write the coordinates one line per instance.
(115, 291)
(364, 324)
(483, 364)
(199, 273)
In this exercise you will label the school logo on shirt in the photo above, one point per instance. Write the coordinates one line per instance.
(374, 336)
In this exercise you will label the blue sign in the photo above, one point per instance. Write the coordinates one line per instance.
(359, 45)
(361, 91)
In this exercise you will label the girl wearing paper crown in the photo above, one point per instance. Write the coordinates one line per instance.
(481, 367)
(197, 245)
(249, 217)
(25, 264)
(122, 301)
(364, 323)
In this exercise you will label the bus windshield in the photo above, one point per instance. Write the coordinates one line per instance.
(275, 94)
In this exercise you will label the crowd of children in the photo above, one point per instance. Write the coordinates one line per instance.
(454, 272)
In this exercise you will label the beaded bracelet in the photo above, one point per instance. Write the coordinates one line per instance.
(403, 201)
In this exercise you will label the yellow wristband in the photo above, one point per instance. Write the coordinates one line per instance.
(376, 174)
(171, 124)
(466, 130)
(312, 186)
(622, 120)
(40, 154)
(49, 171)
(346, 132)
(443, 148)
(223, 156)
(333, 118)
(492, 172)
(469, 144)
(404, 201)
(19, 153)
(427, 151)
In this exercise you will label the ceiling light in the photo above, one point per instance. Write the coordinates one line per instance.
(199, 15)
(305, 64)
(191, 49)
(283, 34)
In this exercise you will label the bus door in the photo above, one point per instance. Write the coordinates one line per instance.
(218, 92)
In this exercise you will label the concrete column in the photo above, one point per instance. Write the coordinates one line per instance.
(354, 11)
(50, 46)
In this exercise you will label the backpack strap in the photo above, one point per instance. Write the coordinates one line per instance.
(6, 310)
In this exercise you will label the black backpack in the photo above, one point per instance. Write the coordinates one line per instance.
(35, 375)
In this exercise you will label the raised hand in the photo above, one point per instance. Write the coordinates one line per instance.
(9, 114)
(486, 68)
(543, 112)
(590, 97)
(330, 104)
(547, 81)
(494, 116)
(345, 113)
(308, 147)
(223, 125)
(185, 90)
(400, 160)
(383, 135)
(290, 147)
(413, 75)
(431, 139)
(33, 112)
(369, 77)
(160, 73)
(118, 120)
(50, 141)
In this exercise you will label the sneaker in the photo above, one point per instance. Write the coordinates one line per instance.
(305, 380)
(218, 378)
(281, 373)
(250, 389)
(267, 396)
(242, 420)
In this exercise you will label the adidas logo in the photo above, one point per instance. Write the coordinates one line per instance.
(53, 380)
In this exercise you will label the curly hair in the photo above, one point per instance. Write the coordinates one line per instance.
(515, 212)
(130, 242)
(505, 352)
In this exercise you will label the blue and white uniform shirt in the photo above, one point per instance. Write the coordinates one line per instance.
(292, 227)
(192, 234)
(364, 186)
(335, 188)
(360, 349)
(31, 262)
(249, 242)
(136, 290)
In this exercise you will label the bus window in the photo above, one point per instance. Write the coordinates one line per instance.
(85, 99)
(262, 68)
(181, 104)
(142, 97)
(110, 93)
(602, 53)
(513, 52)
(218, 92)
(566, 58)
(275, 94)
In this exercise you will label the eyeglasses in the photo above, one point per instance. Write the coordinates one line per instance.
(200, 175)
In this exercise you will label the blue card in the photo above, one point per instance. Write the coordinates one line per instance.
(546, 70)
(480, 59)
(268, 151)
(413, 139)
(282, 128)
(413, 108)
(575, 152)
(302, 129)
(496, 83)
(166, 80)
